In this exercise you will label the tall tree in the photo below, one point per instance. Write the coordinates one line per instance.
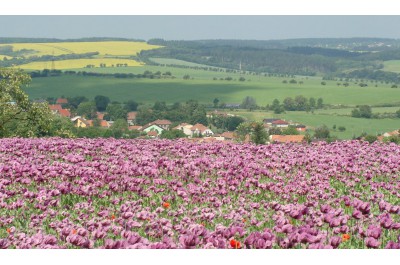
(259, 135)
(19, 116)
(101, 102)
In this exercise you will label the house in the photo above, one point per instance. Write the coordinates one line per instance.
(200, 129)
(229, 136)
(100, 115)
(131, 117)
(152, 134)
(300, 128)
(164, 124)
(269, 121)
(135, 127)
(55, 108)
(65, 113)
(286, 138)
(62, 101)
(185, 127)
(105, 124)
(393, 133)
(232, 105)
(152, 127)
(83, 123)
(280, 124)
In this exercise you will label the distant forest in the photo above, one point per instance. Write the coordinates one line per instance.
(325, 57)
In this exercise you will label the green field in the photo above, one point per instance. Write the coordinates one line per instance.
(203, 88)
(392, 66)
(354, 126)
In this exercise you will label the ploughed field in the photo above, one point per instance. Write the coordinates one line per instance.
(106, 193)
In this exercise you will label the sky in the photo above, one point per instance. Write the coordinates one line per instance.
(200, 26)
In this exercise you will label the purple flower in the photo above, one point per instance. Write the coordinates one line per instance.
(335, 241)
(374, 231)
(371, 242)
(189, 241)
(4, 243)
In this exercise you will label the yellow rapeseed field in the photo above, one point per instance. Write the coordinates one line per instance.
(78, 63)
(115, 48)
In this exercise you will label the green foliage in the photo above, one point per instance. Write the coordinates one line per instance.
(19, 116)
(370, 138)
(398, 113)
(242, 130)
(87, 109)
(73, 102)
(322, 132)
(131, 105)
(101, 102)
(118, 129)
(229, 123)
(116, 111)
(259, 135)
(249, 103)
(392, 139)
(172, 134)
(341, 128)
(291, 130)
(215, 102)
(363, 111)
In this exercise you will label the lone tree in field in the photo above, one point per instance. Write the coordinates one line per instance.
(19, 116)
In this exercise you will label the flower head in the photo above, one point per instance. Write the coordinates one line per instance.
(166, 205)
(345, 237)
(235, 244)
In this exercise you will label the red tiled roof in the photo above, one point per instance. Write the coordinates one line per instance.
(200, 127)
(135, 127)
(65, 113)
(55, 107)
(104, 123)
(131, 115)
(152, 133)
(88, 122)
(62, 101)
(229, 135)
(162, 122)
(287, 138)
(280, 122)
(100, 115)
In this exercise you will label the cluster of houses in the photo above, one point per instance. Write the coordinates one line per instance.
(155, 128)
(193, 132)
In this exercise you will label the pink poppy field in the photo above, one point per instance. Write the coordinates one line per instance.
(107, 193)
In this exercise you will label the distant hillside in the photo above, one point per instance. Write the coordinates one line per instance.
(329, 57)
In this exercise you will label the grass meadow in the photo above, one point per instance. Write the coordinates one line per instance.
(203, 88)
(354, 126)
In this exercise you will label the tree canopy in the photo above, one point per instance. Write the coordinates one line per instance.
(18, 115)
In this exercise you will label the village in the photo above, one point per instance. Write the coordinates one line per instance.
(194, 132)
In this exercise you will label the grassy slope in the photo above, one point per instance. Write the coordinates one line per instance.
(204, 89)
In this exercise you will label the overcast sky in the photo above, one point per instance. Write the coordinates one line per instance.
(200, 27)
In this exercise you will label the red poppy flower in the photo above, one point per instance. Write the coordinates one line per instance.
(166, 205)
(8, 230)
(235, 244)
(74, 231)
(112, 217)
(345, 237)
